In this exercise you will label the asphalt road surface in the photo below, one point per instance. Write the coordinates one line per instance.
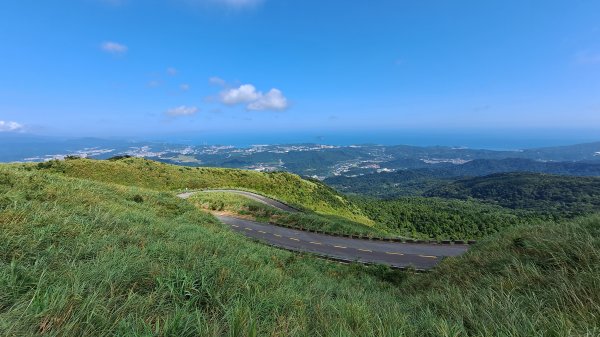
(420, 256)
(395, 254)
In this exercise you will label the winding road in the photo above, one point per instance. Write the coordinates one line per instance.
(421, 256)
(256, 197)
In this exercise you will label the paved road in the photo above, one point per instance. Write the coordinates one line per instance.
(400, 255)
(395, 254)
(253, 196)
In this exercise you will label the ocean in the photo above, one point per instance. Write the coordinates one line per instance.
(476, 139)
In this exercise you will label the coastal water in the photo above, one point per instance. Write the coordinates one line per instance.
(479, 139)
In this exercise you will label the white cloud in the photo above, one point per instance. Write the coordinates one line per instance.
(272, 100)
(216, 81)
(184, 87)
(182, 111)
(172, 71)
(587, 58)
(244, 94)
(114, 48)
(6, 126)
(255, 100)
(153, 83)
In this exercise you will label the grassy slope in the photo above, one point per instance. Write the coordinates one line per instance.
(82, 257)
(238, 204)
(540, 280)
(287, 187)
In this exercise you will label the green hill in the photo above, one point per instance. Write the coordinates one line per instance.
(417, 181)
(443, 219)
(287, 187)
(84, 257)
(561, 196)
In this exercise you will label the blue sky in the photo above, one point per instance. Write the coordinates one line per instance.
(133, 67)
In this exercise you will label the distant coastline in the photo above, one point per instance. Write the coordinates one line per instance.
(497, 140)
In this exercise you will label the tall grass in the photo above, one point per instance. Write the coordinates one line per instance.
(85, 258)
(284, 186)
(240, 205)
(80, 257)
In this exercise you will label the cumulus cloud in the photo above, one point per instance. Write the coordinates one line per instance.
(255, 100)
(272, 100)
(184, 87)
(216, 81)
(182, 111)
(114, 48)
(7, 126)
(244, 94)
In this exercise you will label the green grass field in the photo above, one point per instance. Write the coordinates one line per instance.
(83, 257)
(287, 187)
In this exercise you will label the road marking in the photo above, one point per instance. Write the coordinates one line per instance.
(294, 239)
(235, 226)
(277, 235)
(428, 256)
(393, 253)
(248, 229)
(365, 250)
(315, 243)
(262, 232)
(340, 247)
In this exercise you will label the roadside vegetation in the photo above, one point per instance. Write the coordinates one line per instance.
(83, 257)
(474, 208)
(223, 202)
(442, 219)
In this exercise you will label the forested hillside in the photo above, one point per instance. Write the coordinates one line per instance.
(560, 196)
(387, 185)
(443, 219)
(416, 181)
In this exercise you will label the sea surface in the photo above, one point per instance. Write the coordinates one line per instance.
(475, 139)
